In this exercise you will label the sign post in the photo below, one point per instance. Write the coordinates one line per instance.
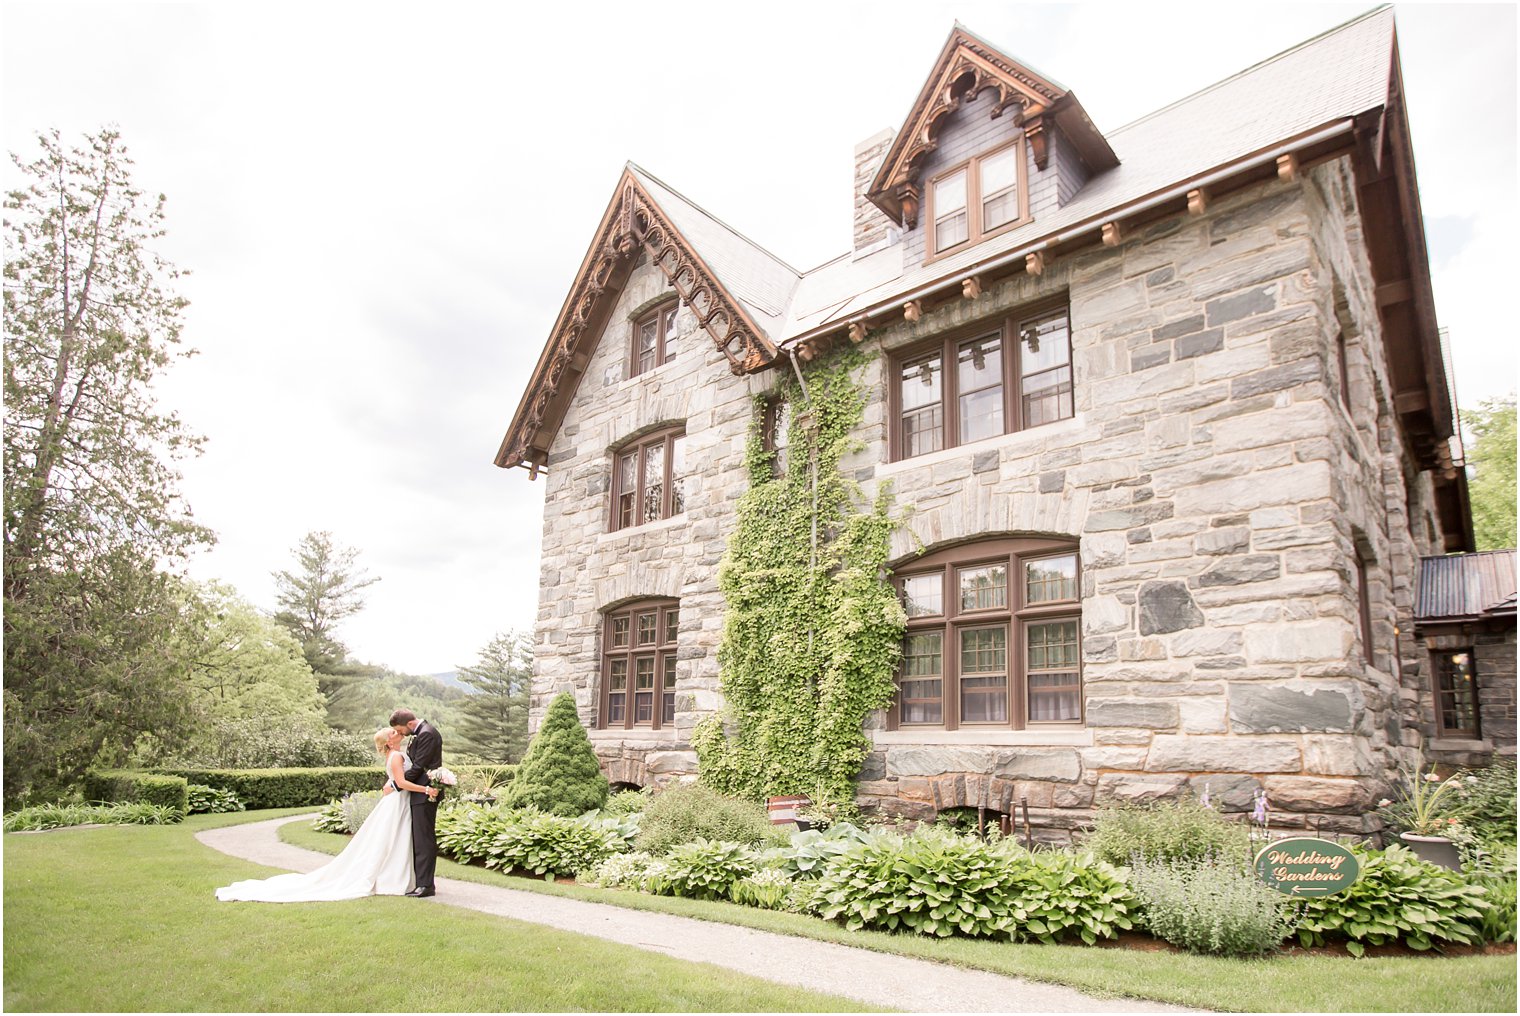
(1307, 867)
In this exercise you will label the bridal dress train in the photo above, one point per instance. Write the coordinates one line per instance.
(378, 862)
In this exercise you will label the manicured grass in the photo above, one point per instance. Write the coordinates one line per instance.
(124, 919)
(1286, 983)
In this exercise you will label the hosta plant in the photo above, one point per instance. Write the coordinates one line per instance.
(1398, 898)
(706, 869)
(620, 871)
(202, 799)
(767, 889)
(810, 851)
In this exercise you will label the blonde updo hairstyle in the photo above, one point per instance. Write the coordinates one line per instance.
(382, 737)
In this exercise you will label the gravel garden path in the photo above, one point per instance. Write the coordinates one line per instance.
(870, 977)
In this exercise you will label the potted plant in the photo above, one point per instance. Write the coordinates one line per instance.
(1425, 812)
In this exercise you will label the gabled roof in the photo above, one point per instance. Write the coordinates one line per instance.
(1466, 587)
(967, 66)
(1325, 81)
(736, 290)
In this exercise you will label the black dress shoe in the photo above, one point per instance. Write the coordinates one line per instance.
(421, 892)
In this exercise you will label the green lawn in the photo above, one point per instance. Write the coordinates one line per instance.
(1285, 983)
(123, 918)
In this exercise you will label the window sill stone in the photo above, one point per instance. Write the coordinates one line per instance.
(1080, 737)
(1002, 441)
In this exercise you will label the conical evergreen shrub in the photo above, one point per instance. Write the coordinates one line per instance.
(559, 773)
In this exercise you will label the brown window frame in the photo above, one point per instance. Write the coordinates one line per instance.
(975, 234)
(1441, 694)
(1343, 368)
(639, 449)
(664, 319)
(660, 653)
(1364, 607)
(1011, 345)
(1016, 616)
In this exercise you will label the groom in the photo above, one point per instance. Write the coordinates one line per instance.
(425, 752)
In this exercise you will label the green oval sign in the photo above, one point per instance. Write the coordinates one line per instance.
(1307, 866)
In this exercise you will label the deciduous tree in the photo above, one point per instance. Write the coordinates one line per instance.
(95, 629)
(1492, 460)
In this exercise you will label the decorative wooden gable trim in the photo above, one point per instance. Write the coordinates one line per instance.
(966, 67)
(632, 223)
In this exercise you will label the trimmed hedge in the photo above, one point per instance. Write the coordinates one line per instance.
(285, 788)
(111, 786)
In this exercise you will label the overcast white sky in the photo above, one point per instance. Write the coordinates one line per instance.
(384, 204)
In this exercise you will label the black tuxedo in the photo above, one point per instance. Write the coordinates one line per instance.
(425, 752)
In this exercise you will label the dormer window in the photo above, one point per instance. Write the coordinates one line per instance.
(977, 199)
(654, 339)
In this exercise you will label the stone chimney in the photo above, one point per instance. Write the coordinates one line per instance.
(872, 228)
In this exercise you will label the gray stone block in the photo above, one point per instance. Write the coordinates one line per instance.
(984, 462)
(1177, 329)
(1167, 606)
(1240, 305)
(1227, 791)
(1139, 788)
(1274, 709)
(873, 767)
(1180, 753)
(1210, 341)
(936, 760)
(1132, 713)
(1151, 356)
(1059, 765)
(1053, 482)
(1274, 379)
(1236, 571)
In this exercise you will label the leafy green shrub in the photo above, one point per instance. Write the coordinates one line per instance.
(57, 816)
(531, 840)
(560, 773)
(1498, 921)
(258, 744)
(626, 802)
(1488, 802)
(1211, 906)
(767, 889)
(110, 786)
(204, 800)
(286, 788)
(691, 811)
(1165, 831)
(706, 869)
(1397, 898)
(937, 883)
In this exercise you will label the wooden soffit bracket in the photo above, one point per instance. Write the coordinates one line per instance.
(632, 223)
(967, 66)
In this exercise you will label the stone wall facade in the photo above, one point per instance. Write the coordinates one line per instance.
(1220, 490)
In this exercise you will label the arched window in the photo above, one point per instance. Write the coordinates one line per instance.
(639, 665)
(993, 639)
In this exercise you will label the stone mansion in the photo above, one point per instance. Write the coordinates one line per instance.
(1168, 405)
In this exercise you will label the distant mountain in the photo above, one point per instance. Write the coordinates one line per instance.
(451, 679)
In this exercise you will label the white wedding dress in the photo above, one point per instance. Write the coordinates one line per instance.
(377, 862)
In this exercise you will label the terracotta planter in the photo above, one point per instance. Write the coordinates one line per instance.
(1435, 849)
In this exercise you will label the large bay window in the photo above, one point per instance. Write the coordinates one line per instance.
(639, 665)
(1010, 375)
(993, 637)
(647, 480)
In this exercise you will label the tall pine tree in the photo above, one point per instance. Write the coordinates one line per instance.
(495, 721)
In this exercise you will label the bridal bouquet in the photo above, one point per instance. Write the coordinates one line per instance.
(442, 777)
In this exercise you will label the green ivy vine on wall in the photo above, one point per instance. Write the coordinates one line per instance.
(812, 628)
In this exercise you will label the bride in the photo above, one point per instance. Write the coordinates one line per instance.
(378, 861)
